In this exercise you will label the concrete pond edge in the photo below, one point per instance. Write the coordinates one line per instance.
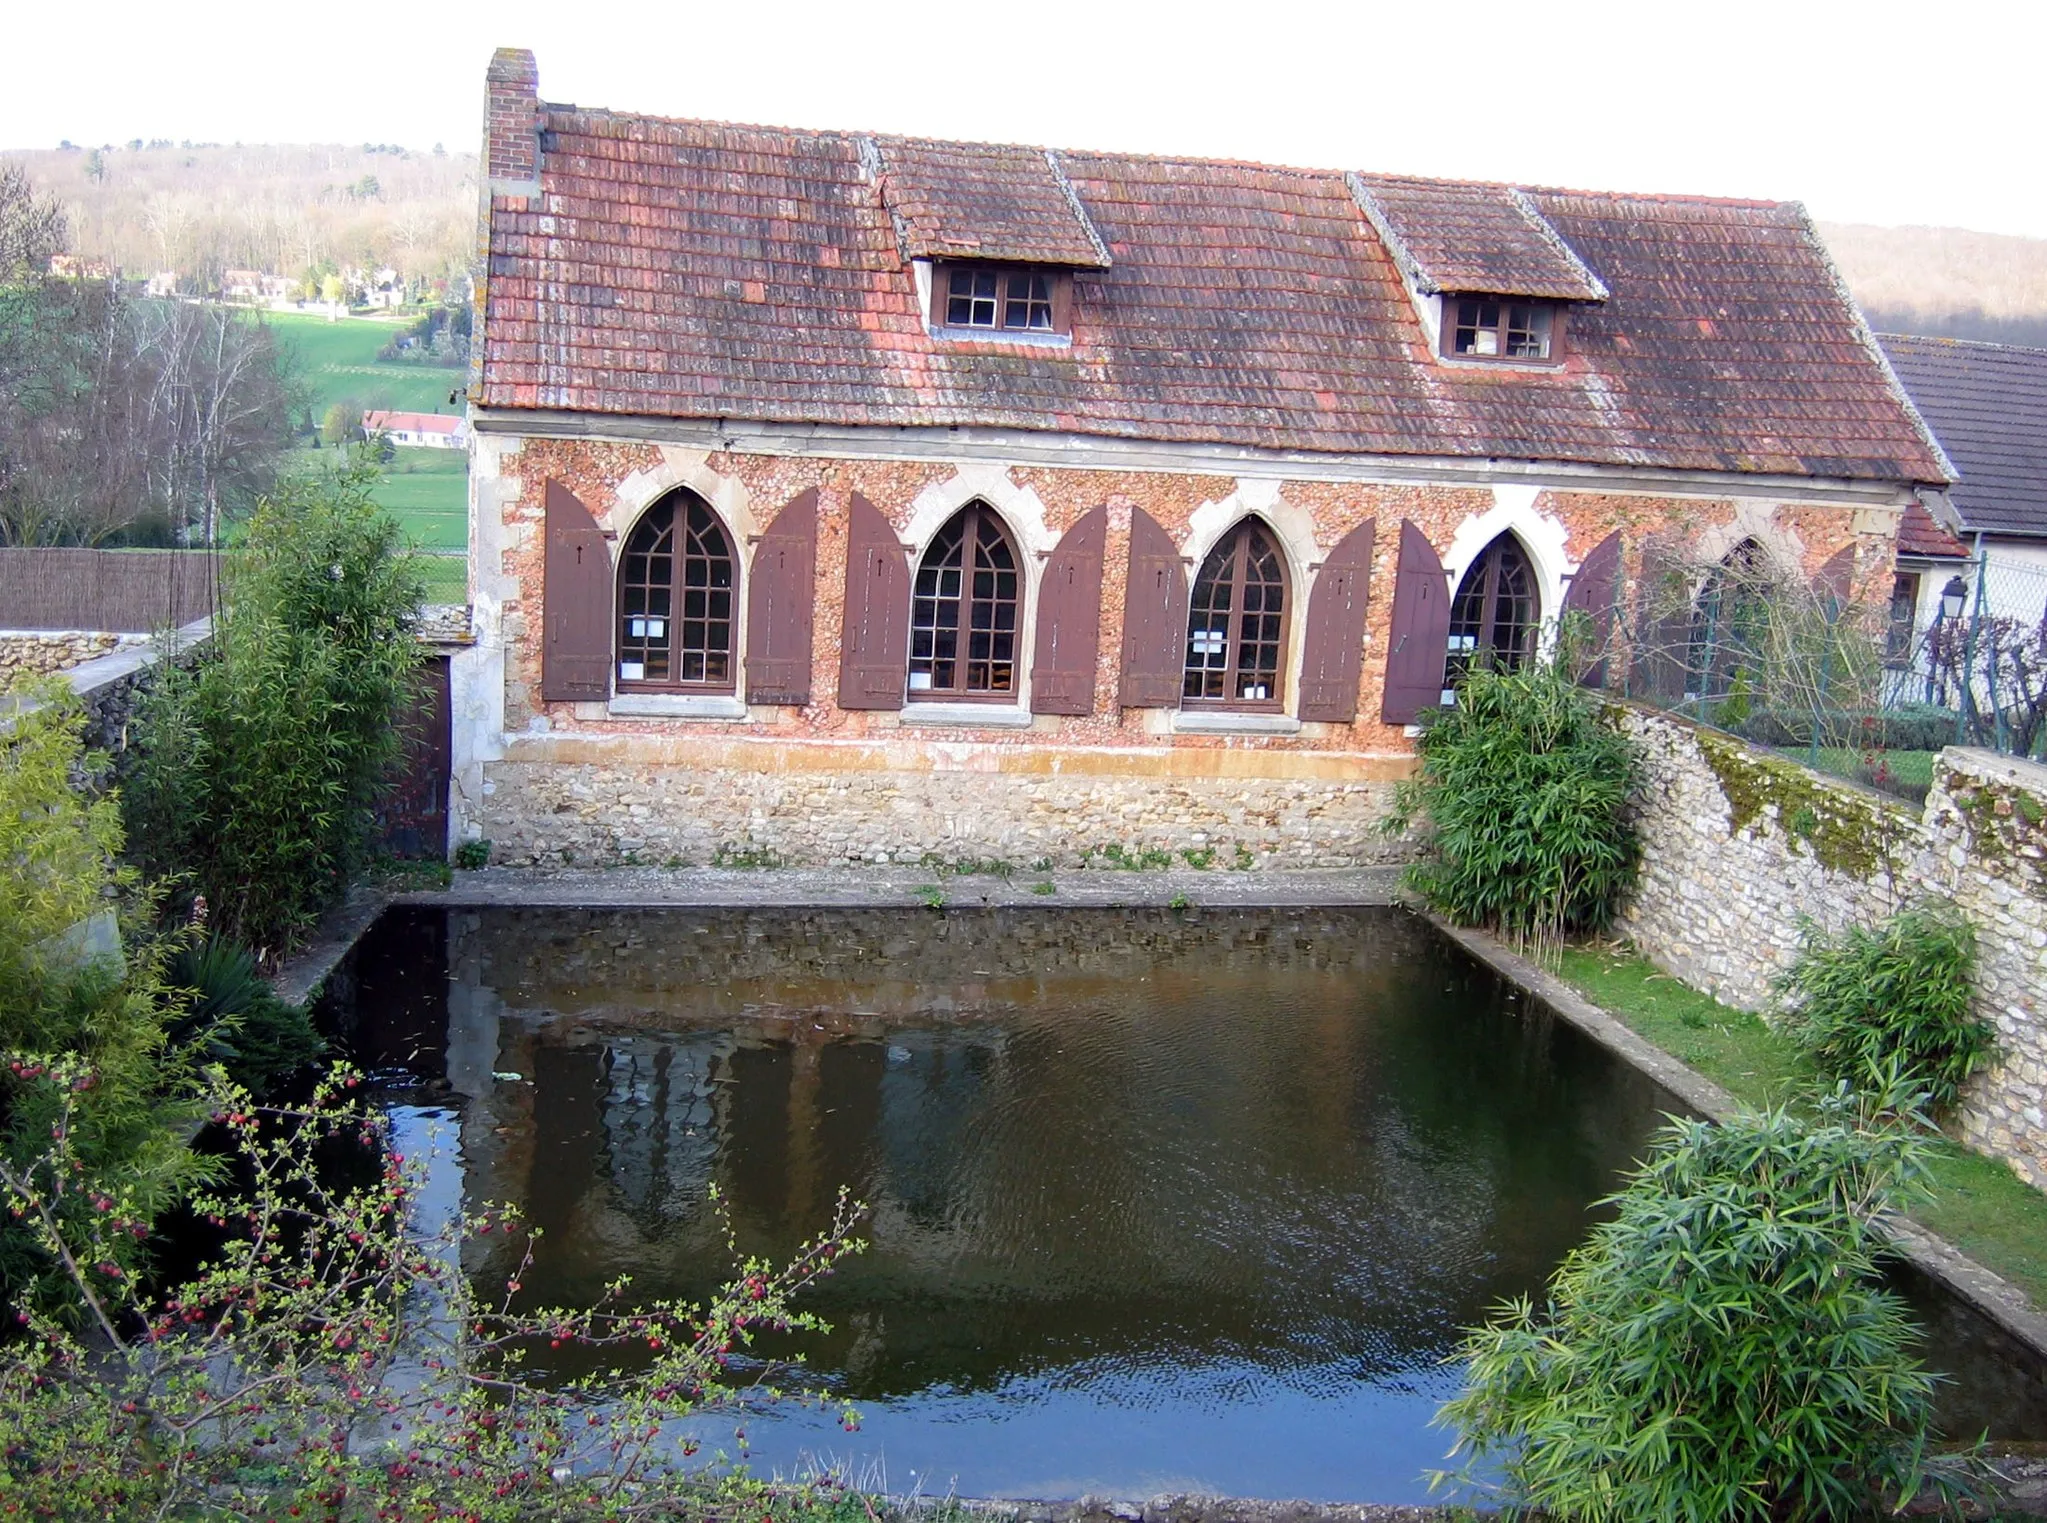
(1988, 1292)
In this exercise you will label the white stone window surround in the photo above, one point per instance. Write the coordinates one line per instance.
(1293, 530)
(1023, 514)
(1752, 520)
(1543, 538)
(729, 501)
(1232, 722)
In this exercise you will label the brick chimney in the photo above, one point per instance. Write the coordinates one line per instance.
(511, 124)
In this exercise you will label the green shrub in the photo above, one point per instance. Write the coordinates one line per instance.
(1897, 997)
(1526, 786)
(471, 855)
(259, 765)
(234, 1019)
(1905, 727)
(1721, 1349)
(338, 1356)
(79, 983)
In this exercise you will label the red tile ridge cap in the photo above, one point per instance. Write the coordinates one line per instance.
(1177, 160)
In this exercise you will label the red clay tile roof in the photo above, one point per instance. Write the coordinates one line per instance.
(705, 270)
(1451, 236)
(1988, 405)
(1920, 534)
(377, 421)
(983, 201)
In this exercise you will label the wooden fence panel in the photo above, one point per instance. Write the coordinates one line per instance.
(135, 592)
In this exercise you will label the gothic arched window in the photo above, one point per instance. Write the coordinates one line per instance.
(963, 610)
(1494, 616)
(676, 583)
(1236, 623)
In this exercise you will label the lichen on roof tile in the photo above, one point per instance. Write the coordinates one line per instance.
(696, 269)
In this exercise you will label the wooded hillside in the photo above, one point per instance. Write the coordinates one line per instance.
(1945, 281)
(281, 209)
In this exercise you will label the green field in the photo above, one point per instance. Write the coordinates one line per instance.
(427, 489)
(339, 360)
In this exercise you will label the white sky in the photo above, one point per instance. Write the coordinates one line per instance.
(1876, 111)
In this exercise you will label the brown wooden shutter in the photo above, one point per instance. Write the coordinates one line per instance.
(1836, 579)
(1663, 622)
(1419, 641)
(1592, 593)
(1070, 620)
(1334, 652)
(1154, 618)
(575, 651)
(780, 599)
(874, 648)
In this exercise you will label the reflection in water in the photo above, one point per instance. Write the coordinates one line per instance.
(1158, 1202)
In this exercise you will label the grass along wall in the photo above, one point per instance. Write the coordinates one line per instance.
(1741, 848)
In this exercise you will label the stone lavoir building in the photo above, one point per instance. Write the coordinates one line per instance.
(845, 497)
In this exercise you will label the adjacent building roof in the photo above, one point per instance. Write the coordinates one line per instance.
(1921, 535)
(376, 422)
(1988, 405)
(707, 270)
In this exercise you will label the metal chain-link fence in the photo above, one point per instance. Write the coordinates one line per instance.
(1752, 646)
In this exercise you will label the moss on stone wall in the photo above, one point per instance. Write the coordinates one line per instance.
(1845, 831)
(2007, 827)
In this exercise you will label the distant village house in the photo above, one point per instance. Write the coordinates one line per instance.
(418, 430)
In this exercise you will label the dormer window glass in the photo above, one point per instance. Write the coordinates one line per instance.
(1492, 328)
(1001, 299)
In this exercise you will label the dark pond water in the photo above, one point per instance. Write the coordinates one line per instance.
(1160, 1202)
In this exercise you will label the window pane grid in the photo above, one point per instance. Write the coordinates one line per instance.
(970, 299)
(1492, 618)
(1236, 624)
(963, 611)
(1501, 330)
(676, 601)
(1030, 302)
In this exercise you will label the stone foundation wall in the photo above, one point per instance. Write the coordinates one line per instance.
(697, 803)
(29, 653)
(1741, 847)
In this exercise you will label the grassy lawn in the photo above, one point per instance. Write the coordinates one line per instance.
(447, 578)
(1906, 773)
(340, 364)
(428, 490)
(1979, 1205)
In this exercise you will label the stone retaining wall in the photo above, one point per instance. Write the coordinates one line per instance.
(31, 653)
(804, 805)
(1741, 847)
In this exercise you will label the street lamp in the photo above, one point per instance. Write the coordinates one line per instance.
(1952, 597)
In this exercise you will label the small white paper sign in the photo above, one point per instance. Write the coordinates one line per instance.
(632, 671)
(920, 682)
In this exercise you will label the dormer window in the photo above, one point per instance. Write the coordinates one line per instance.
(1000, 298)
(1495, 328)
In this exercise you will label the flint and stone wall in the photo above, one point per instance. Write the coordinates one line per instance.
(26, 654)
(592, 782)
(1741, 847)
(694, 802)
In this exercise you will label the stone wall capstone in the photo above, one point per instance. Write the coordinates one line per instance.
(1741, 849)
(29, 653)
